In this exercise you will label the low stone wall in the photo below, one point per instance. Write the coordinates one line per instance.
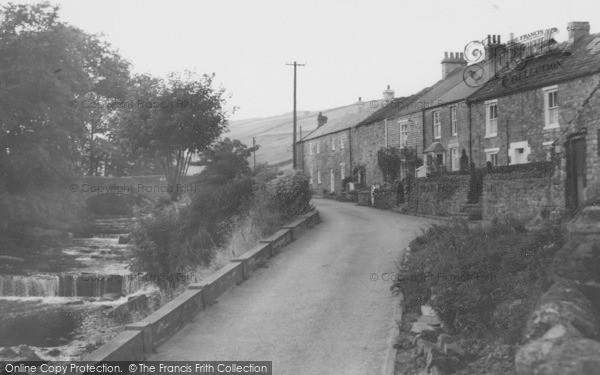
(532, 200)
(562, 335)
(143, 337)
(440, 196)
(279, 240)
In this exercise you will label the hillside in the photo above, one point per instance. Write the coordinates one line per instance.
(274, 134)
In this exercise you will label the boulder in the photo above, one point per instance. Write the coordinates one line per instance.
(124, 240)
(53, 352)
(28, 354)
(559, 356)
(7, 353)
(563, 304)
(577, 261)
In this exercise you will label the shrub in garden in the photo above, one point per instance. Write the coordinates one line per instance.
(479, 280)
(291, 193)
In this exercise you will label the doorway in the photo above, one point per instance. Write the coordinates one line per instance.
(576, 168)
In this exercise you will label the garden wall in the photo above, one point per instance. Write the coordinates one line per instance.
(531, 200)
(440, 196)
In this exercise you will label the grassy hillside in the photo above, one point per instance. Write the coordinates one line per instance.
(274, 134)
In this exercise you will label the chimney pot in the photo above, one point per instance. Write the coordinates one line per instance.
(445, 55)
(498, 39)
(577, 30)
(388, 94)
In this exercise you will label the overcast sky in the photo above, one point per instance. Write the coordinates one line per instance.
(351, 48)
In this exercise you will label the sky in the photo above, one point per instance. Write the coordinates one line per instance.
(351, 48)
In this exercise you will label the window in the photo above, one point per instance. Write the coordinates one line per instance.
(491, 155)
(437, 126)
(341, 143)
(310, 148)
(519, 152)
(491, 117)
(318, 149)
(455, 159)
(319, 177)
(551, 107)
(403, 133)
(310, 176)
(342, 171)
(454, 120)
(333, 144)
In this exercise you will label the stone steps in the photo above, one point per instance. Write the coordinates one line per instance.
(473, 211)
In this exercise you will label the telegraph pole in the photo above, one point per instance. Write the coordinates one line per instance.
(295, 64)
(254, 152)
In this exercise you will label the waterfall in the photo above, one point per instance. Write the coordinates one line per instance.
(69, 285)
(28, 286)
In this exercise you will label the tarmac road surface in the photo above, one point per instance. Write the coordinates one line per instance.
(316, 308)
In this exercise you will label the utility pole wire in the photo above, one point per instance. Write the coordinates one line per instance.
(295, 164)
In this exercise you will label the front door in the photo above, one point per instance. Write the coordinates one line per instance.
(332, 181)
(576, 179)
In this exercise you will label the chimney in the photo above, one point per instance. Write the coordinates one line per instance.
(321, 120)
(452, 62)
(388, 94)
(495, 54)
(577, 30)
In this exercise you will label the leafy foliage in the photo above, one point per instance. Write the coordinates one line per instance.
(291, 193)
(389, 160)
(180, 116)
(47, 64)
(512, 267)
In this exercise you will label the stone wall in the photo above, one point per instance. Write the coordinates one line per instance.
(532, 200)
(366, 142)
(562, 334)
(441, 196)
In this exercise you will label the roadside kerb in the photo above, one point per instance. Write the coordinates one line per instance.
(143, 337)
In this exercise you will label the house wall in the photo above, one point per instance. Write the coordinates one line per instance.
(521, 117)
(366, 141)
(448, 140)
(327, 160)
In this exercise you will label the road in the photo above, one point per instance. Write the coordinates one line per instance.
(315, 309)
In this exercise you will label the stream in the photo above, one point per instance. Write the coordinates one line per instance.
(60, 301)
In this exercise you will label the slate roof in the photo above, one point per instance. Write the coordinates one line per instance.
(356, 113)
(394, 108)
(446, 91)
(574, 60)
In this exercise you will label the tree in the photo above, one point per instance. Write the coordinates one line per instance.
(47, 69)
(225, 160)
(173, 120)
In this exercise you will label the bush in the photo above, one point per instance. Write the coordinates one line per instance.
(291, 193)
(165, 244)
(504, 264)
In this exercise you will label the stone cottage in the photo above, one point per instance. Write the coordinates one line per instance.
(325, 153)
(547, 106)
